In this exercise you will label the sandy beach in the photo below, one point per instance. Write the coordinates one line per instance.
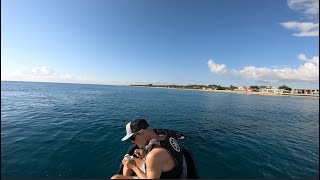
(246, 92)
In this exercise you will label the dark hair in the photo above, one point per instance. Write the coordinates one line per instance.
(138, 124)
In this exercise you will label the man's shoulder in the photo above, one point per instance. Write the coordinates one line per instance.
(157, 152)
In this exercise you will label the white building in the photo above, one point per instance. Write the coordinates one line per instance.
(242, 88)
(271, 89)
(305, 91)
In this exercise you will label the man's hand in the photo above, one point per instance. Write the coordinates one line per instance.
(129, 163)
(140, 153)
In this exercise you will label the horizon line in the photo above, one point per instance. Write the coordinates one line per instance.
(134, 84)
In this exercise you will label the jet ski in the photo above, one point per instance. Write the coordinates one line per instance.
(189, 167)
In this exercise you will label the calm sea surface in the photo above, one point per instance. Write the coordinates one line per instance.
(51, 130)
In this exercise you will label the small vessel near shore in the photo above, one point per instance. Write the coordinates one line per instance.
(189, 167)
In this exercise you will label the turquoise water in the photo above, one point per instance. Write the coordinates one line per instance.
(51, 130)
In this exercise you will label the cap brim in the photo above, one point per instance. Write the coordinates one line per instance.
(127, 137)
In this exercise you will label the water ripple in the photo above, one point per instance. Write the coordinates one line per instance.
(74, 131)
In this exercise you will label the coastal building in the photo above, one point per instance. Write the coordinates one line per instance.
(284, 91)
(253, 89)
(271, 89)
(305, 91)
(242, 88)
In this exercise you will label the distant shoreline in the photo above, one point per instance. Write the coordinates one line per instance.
(242, 92)
(221, 91)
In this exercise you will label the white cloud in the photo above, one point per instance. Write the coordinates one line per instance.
(42, 71)
(38, 74)
(303, 28)
(311, 9)
(302, 57)
(217, 68)
(308, 72)
(308, 7)
(47, 74)
(314, 60)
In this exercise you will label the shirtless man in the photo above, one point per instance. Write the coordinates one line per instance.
(159, 156)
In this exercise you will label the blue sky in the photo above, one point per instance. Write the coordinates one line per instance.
(122, 42)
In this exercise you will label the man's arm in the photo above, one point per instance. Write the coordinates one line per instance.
(154, 164)
(133, 165)
(139, 173)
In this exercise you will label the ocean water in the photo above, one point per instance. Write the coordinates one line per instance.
(71, 131)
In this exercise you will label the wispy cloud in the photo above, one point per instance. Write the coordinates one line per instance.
(307, 72)
(308, 7)
(47, 74)
(43, 71)
(303, 28)
(41, 74)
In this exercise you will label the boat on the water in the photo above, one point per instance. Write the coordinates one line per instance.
(189, 167)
